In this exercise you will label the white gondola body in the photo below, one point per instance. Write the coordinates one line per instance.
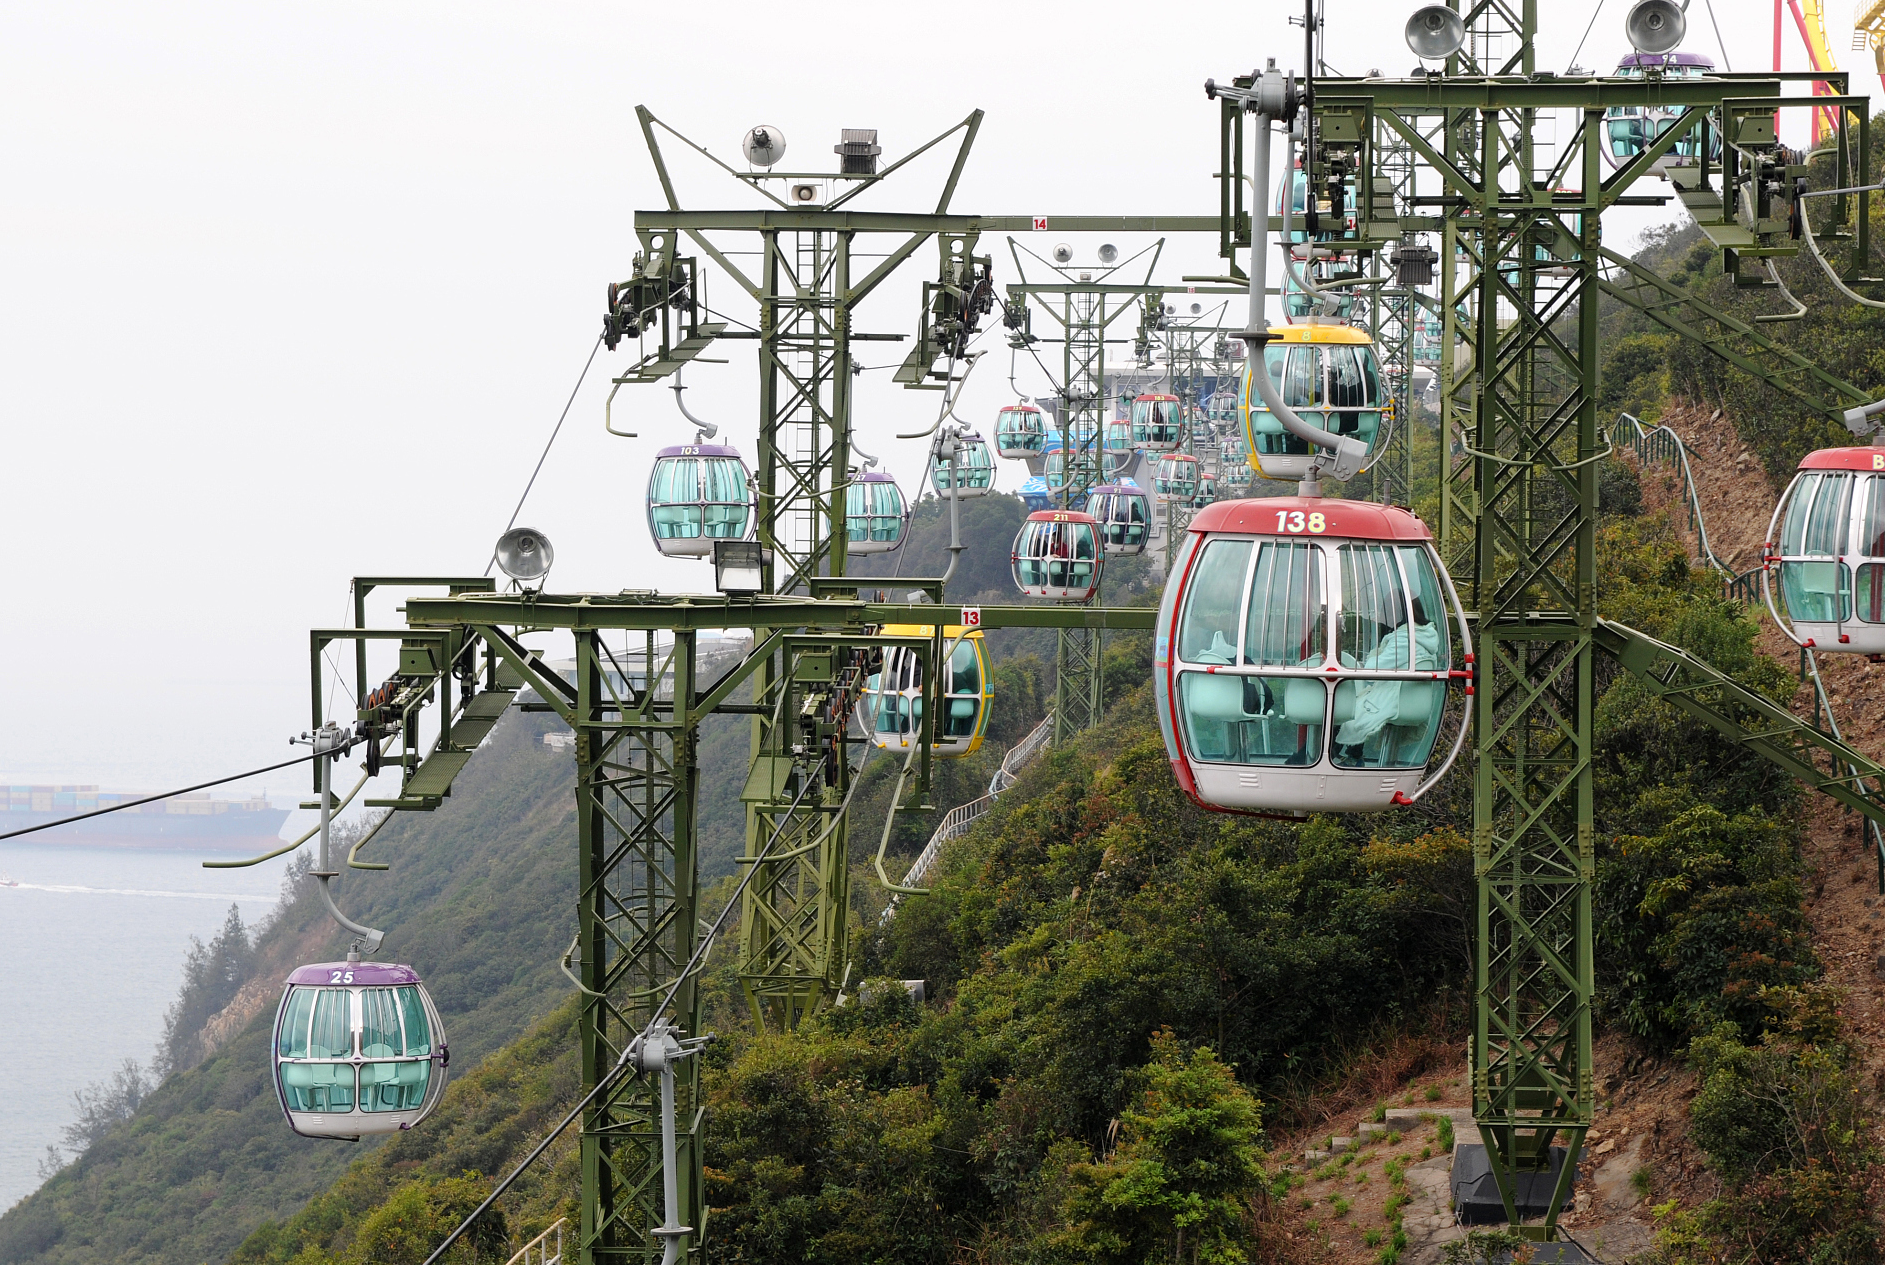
(1302, 657)
(1157, 423)
(974, 469)
(1123, 513)
(1057, 555)
(1176, 481)
(876, 518)
(697, 494)
(1329, 377)
(891, 710)
(1020, 431)
(1825, 557)
(358, 1050)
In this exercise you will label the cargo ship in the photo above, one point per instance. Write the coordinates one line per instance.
(196, 822)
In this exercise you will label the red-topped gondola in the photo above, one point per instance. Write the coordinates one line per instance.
(1303, 659)
(1057, 554)
(1826, 543)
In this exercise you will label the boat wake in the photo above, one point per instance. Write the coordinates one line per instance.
(132, 891)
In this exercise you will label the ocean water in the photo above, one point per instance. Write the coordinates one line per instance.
(94, 940)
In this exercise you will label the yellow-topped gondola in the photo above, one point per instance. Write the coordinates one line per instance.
(892, 708)
(1329, 376)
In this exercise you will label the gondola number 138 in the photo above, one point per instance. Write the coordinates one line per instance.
(1296, 520)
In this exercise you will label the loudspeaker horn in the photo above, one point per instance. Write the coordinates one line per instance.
(1435, 33)
(1655, 26)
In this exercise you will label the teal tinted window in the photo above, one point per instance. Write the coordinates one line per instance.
(294, 1023)
(380, 1037)
(1871, 592)
(1286, 624)
(1799, 504)
(1386, 724)
(330, 1034)
(1869, 534)
(1429, 604)
(412, 1019)
(1207, 632)
(1817, 592)
(1274, 720)
(324, 1087)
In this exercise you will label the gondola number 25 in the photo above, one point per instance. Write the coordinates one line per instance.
(1296, 520)
(340, 977)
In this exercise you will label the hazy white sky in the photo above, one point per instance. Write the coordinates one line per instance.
(294, 293)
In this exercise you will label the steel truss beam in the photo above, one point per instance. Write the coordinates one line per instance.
(1523, 269)
(1083, 315)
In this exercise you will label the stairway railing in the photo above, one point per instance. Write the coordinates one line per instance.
(545, 1254)
(1659, 443)
(956, 821)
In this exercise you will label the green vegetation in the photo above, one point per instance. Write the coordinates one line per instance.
(479, 898)
(1786, 1122)
(1123, 989)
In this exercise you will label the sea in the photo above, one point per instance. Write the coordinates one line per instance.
(94, 941)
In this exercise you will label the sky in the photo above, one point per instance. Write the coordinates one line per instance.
(290, 294)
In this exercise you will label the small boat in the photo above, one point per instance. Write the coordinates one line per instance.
(7, 880)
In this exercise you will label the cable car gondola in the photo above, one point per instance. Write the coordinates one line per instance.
(359, 1050)
(1827, 541)
(1057, 554)
(1237, 474)
(974, 467)
(1116, 450)
(1629, 128)
(1124, 514)
(875, 515)
(1157, 424)
(697, 494)
(1177, 477)
(1207, 491)
(1020, 431)
(1302, 658)
(1326, 374)
(892, 707)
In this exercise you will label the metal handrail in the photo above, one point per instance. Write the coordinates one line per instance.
(1663, 444)
(541, 1244)
(956, 821)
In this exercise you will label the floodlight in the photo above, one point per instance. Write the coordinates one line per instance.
(763, 146)
(524, 554)
(1063, 254)
(738, 567)
(1108, 253)
(1435, 33)
(1655, 26)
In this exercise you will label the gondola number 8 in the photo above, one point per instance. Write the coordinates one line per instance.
(1296, 520)
(340, 977)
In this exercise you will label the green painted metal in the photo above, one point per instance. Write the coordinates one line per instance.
(1523, 269)
(1084, 312)
(1821, 761)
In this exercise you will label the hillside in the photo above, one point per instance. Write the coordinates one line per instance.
(481, 899)
(1310, 970)
(478, 896)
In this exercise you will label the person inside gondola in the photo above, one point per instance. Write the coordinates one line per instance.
(1379, 705)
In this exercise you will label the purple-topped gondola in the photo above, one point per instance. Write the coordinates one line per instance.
(697, 494)
(359, 1050)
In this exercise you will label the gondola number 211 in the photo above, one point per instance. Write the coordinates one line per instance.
(1296, 520)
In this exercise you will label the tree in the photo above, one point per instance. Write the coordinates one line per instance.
(212, 975)
(1176, 1187)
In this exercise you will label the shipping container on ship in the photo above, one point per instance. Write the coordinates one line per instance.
(182, 821)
